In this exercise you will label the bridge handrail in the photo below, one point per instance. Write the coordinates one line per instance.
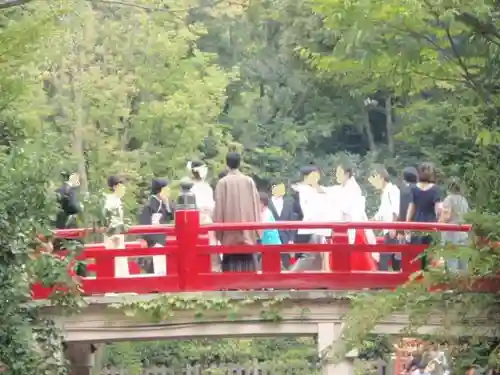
(170, 229)
(343, 226)
(189, 255)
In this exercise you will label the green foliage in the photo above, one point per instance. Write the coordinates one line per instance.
(465, 313)
(166, 307)
(29, 343)
(435, 60)
(139, 89)
(300, 351)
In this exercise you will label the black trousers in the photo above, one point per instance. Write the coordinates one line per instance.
(390, 260)
(302, 238)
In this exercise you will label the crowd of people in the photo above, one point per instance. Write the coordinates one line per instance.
(237, 199)
(431, 359)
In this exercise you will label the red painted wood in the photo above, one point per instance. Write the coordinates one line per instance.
(303, 280)
(189, 267)
(343, 226)
(141, 285)
(187, 230)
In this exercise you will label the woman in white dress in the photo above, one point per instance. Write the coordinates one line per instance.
(353, 208)
(205, 203)
(113, 215)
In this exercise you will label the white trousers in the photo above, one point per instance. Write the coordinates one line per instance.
(117, 241)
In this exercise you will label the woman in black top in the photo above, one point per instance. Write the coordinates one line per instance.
(425, 200)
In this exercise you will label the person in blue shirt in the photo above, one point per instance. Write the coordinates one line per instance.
(269, 236)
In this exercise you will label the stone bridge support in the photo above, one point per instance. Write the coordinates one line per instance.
(82, 357)
(328, 334)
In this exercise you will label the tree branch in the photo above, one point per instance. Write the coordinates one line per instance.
(165, 8)
(133, 5)
(13, 3)
(471, 82)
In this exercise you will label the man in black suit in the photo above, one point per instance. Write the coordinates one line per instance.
(281, 206)
(69, 206)
(68, 210)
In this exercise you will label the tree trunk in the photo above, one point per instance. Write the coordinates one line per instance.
(368, 131)
(389, 124)
(78, 145)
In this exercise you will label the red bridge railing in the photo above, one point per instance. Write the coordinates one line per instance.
(188, 255)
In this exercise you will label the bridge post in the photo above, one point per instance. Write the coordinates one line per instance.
(81, 358)
(328, 334)
(187, 230)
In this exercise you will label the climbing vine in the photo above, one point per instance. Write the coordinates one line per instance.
(466, 311)
(166, 307)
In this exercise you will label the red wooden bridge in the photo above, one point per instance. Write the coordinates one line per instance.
(189, 266)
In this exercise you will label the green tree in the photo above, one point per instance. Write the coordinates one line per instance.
(28, 344)
(441, 55)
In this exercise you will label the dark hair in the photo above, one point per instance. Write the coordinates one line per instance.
(233, 160)
(410, 175)
(304, 171)
(454, 186)
(157, 185)
(114, 181)
(380, 170)
(427, 173)
(65, 175)
(264, 198)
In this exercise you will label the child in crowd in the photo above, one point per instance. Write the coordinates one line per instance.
(269, 236)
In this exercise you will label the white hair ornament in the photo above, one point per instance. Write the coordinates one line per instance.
(202, 170)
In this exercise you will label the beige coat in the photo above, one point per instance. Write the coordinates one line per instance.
(236, 200)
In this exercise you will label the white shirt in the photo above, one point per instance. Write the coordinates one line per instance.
(335, 199)
(113, 208)
(389, 204)
(314, 203)
(278, 204)
(204, 195)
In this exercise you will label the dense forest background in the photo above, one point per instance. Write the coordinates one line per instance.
(140, 87)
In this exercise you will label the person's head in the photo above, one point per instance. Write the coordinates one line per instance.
(117, 185)
(410, 175)
(160, 188)
(72, 179)
(233, 160)
(278, 190)
(310, 174)
(427, 173)
(379, 177)
(454, 186)
(198, 170)
(343, 173)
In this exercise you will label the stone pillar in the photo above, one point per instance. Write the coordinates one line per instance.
(81, 358)
(328, 333)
